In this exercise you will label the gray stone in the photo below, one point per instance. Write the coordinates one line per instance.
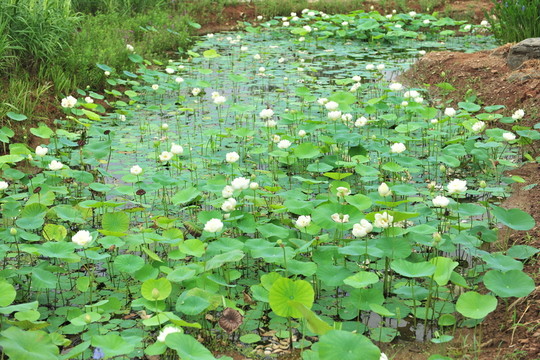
(523, 51)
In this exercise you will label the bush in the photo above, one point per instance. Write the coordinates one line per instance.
(103, 39)
(515, 20)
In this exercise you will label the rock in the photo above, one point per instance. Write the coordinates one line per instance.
(523, 51)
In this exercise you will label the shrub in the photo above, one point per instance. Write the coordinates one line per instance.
(515, 20)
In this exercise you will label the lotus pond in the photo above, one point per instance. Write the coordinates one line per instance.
(273, 188)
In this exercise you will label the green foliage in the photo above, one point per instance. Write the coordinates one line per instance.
(515, 20)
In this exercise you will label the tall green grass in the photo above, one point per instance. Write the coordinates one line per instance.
(515, 20)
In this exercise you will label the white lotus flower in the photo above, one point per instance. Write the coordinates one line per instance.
(130, 48)
(3, 185)
(303, 221)
(177, 149)
(284, 144)
(380, 67)
(302, 133)
(227, 191)
(136, 170)
(232, 157)
(478, 126)
(82, 238)
(69, 102)
(218, 100)
(229, 205)
(213, 225)
(253, 185)
(257, 57)
(384, 190)
(266, 113)
(179, 80)
(370, 67)
(165, 156)
(450, 112)
(334, 115)
(240, 183)
(383, 220)
(395, 87)
(168, 329)
(271, 123)
(322, 101)
(340, 218)
(195, 91)
(331, 105)
(155, 87)
(397, 148)
(55, 165)
(518, 114)
(362, 229)
(508, 136)
(457, 186)
(360, 122)
(41, 150)
(440, 201)
(342, 191)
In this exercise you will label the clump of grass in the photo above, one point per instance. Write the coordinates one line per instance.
(516, 20)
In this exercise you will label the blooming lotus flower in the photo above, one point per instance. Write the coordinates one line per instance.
(89, 100)
(168, 329)
(362, 229)
(357, 78)
(334, 115)
(266, 113)
(346, 117)
(136, 170)
(240, 183)
(195, 91)
(227, 191)
(412, 13)
(307, 28)
(82, 238)
(384, 190)
(213, 226)
(55, 165)
(342, 191)
(284, 144)
(450, 112)
(422, 52)
(411, 94)
(257, 57)
(218, 100)
(340, 218)
(303, 221)
(302, 133)
(253, 185)
(426, 22)
(69, 102)
(440, 201)
(457, 186)
(177, 149)
(229, 205)
(518, 114)
(179, 80)
(232, 157)
(383, 357)
(397, 148)
(383, 220)
(165, 126)
(165, 156)
(155, 87)
(130, 48)
(331, 105)
(122, 117)
(276, 138)
(355, 87)
(322, 101)
(395, 87)
(360, 122)
(508, 136)
(370, 67)
(3, 185)
(271, 123)
(380, 67)
(484, 23)
(41, 151)
(169, 71)
(478, 126)
(467, 27)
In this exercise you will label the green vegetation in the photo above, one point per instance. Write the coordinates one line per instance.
(272, 181)
(515, 20)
